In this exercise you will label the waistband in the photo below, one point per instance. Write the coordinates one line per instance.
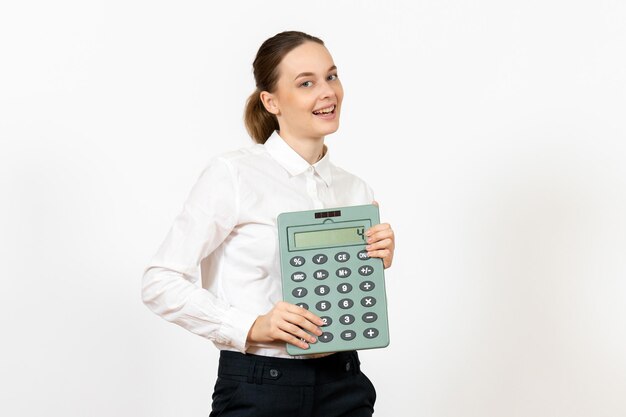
(284, 371)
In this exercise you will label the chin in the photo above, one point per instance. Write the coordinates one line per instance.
(327, 130)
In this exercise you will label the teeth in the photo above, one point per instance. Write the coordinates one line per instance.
(326, 110)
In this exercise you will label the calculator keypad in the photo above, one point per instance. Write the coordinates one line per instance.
(343, 293)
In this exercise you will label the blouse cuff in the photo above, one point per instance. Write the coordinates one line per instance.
(235, 327)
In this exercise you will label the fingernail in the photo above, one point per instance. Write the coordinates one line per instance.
(313, 340)
(305, 346)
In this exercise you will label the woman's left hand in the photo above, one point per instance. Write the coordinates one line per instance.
(381, 242)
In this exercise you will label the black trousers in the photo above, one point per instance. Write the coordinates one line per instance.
(252, 385)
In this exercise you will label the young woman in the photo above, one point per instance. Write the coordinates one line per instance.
(227, 235)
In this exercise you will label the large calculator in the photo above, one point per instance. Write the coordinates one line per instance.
(325, 269)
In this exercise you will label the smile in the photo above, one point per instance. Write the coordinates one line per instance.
(327, 110)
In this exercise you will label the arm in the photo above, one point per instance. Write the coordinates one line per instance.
(169, 281)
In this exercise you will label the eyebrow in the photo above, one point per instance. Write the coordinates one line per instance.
(306, 74)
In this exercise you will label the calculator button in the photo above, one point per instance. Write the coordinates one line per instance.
(343, 272)
(320, 274)
(325, 337)
(366, 270)
(346, 319)
(369, 317)
(297, 261)
(344, 288)
(327, 321)
(298, 276)
(299, 292)
(366, 286)
(320, 258)
(322, 290)
(370, 333)
(368, 301)
(348, 334)
(323, 305)
(303, 305)
(346, 303)
(342, 256)
(362, 255)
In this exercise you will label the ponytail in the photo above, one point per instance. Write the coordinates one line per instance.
(260, 123)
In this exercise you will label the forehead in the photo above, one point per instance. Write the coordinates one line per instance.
(308, 57)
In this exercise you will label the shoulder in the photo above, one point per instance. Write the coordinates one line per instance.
(342, 175)
(233, 160)
(346, 180)
(241, 155)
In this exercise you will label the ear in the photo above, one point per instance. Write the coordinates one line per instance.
(270, 102)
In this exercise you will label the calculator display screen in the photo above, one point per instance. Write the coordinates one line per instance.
(329, 237)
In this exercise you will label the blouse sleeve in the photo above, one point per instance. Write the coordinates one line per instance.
(169, 284)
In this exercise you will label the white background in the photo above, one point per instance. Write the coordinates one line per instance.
(492, 132)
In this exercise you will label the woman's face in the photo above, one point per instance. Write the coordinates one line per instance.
(307, 83)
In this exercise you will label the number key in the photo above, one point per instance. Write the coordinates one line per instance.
(344, 288)
(346, 303)
(322, 290)
(299, 292)
(322, 305)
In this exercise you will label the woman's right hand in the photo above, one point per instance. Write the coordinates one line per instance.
(286, 322)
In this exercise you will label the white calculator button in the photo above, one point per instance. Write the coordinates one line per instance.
(323, 305)
(320, 274)
(370, 333)
(368, 301)
(346, 319)
(362, 255)
(348, 334)
(320, 258)
(342, 256)
(297, 261)
(303, 305)
(366, 286)
(322, 290)
(369, 317)
(298, 276)
(366, 270)
(327, 321)
(343, 272)
(346, 303)
(299, 292)
(344, 288)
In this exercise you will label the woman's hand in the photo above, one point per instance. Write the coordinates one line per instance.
(286, 322)
(381, 242)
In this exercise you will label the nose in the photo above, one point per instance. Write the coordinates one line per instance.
(327, 90)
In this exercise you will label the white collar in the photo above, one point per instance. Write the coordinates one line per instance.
(295, 164)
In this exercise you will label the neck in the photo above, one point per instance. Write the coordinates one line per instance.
(310, 149)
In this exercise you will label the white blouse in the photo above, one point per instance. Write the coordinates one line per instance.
(226, 234)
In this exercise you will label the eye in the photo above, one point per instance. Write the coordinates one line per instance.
(333, 75)
(305, 83)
